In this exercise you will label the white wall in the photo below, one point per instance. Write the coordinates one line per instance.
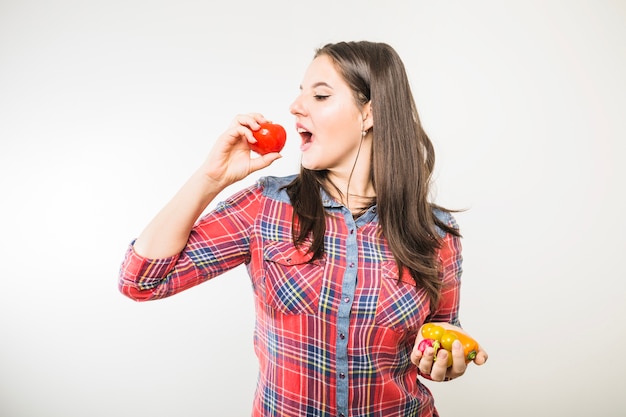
(106, 108)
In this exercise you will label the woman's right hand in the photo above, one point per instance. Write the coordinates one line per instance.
(229, 160)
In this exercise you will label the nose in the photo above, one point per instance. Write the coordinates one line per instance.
(296, 108)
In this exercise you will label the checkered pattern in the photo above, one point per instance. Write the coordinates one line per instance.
(333, 336)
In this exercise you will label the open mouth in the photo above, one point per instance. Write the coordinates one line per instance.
(305, 135)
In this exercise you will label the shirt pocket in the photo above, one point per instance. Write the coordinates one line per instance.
(401, 306)
(292, 281)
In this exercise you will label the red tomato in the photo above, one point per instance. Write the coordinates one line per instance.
(271, 137)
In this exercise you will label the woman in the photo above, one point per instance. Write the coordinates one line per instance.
(348, 259)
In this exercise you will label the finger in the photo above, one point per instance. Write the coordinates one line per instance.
(244, 120)
(251, 120)
(458, 360)
(258, 117)
(239, 132)
(427, 360)
(440, 366)
(416, 355)
(234, 133)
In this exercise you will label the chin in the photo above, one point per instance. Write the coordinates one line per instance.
(310, 167)
(308, 163)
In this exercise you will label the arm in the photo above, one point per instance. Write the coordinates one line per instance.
(228, 162)
(172, 252)
(218, 242)
(447, 316)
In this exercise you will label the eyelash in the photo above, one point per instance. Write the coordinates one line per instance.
(320, 97)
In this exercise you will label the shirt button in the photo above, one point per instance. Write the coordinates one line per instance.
(342, 415)
(346, 299)
(351, 264)
(342, 336)
(351, 231)
(342, 375)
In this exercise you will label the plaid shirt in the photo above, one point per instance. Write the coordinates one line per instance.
(333, 336)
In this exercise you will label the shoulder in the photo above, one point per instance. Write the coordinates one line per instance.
(444, 217)
(275, 187)
(264, 188)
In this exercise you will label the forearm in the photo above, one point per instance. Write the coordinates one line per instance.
(168, 232)
(228, 162)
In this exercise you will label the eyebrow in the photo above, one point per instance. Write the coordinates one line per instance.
(319, 84)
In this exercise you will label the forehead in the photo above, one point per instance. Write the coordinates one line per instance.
(322, 71)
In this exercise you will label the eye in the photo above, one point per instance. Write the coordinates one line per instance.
(320, 97)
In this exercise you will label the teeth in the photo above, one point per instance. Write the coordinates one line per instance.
(301, 130)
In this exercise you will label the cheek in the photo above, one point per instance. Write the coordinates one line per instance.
(337, 120)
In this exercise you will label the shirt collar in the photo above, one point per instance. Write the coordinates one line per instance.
(328, 201)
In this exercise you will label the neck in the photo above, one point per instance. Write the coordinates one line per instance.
(351, 183)
(354, 182)
(353, 191)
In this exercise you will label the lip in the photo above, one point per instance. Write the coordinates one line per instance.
(300, 126)
(306, 136)
(305, 146)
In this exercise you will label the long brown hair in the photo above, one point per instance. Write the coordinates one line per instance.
(375, 73)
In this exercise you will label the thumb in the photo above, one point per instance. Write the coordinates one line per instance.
(481, 357)
(264, 161)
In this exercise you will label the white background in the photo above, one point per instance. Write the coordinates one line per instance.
(107, 107)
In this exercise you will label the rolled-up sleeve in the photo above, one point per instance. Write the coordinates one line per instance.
(140, 275)
(218, 242)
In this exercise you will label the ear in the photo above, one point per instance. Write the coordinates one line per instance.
(368, 119)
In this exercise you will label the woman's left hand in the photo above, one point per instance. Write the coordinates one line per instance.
(438, 370)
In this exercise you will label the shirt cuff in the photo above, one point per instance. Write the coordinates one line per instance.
(146, 273)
